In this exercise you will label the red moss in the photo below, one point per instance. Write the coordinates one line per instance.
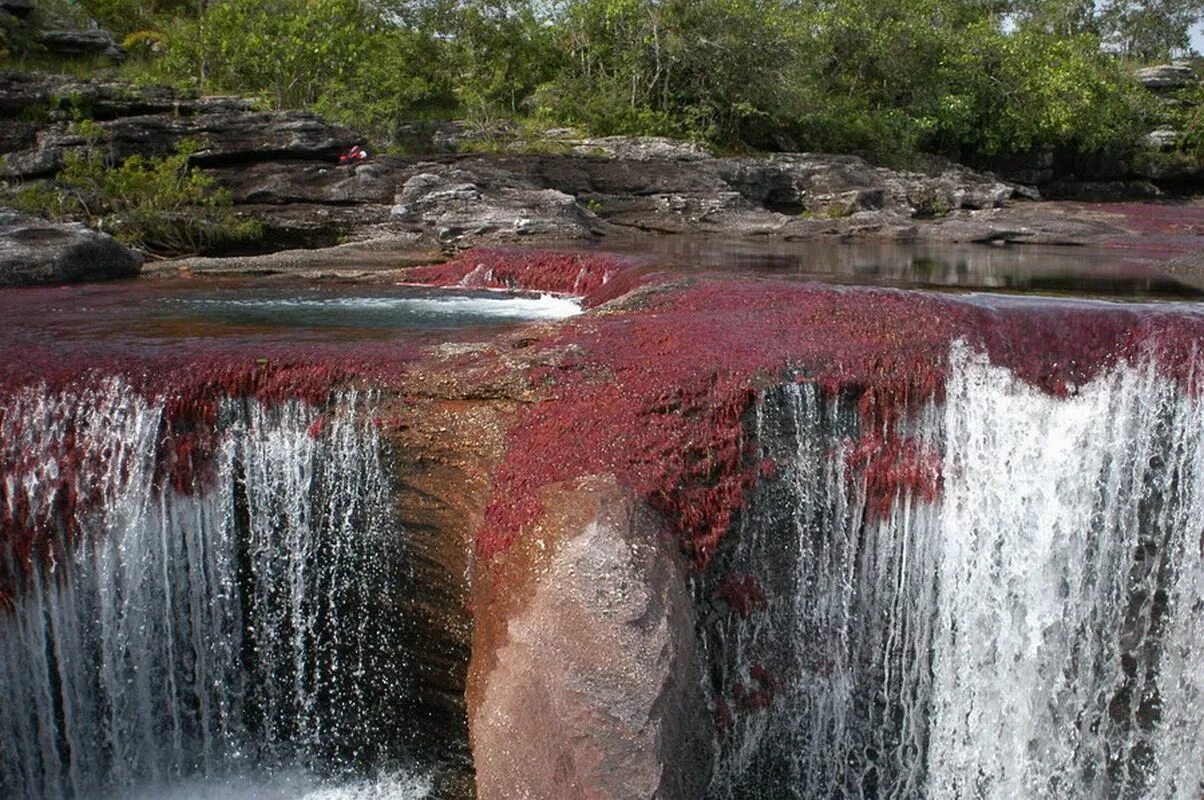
(596, 276)
(742, 593)
(191, 388)
(893, 466)
(659, 397)
(723, 718)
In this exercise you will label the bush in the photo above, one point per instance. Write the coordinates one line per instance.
(159, 205)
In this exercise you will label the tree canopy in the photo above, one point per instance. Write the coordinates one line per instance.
(974, 79)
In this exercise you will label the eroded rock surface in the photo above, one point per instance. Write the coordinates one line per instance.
(34, 251)
(589, 686)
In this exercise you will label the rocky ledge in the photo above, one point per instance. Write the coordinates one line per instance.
(283, 169)
(34, 251)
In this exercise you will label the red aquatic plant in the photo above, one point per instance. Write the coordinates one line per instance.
(660, 397)
(742, 594)
(598, 277)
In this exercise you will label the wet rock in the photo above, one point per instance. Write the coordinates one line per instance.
(34, 251)
(1167, 77)
(590, 687)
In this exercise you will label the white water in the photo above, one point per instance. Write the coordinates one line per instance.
(463, 309)
(215, 638)
(1037, 632)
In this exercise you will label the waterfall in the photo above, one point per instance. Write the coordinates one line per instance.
(164, 636)
(1036, 630)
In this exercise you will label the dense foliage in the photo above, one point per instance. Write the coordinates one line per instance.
(159, 205)
(973, 79)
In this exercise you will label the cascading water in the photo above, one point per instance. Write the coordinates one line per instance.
(229, 632)
(1035, 628)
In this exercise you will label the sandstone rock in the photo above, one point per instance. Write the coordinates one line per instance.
(34, 251)
(227, 137)
(1166, 77)
(76, 43)
(641, 148)
(594, 688)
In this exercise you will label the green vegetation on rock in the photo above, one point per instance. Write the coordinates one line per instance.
(159, 205)
(972, 79)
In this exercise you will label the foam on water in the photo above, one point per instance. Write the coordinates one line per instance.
(289, 785)
(397, 311)
(1037, 631)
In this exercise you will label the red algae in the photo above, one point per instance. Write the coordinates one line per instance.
(742, 594)
(190, 387)
(598, 277)
(660, 397)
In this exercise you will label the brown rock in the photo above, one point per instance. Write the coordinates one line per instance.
(585, 682)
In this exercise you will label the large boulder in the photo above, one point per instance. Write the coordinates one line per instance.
(455, 203)
(587, 683)
(34, 251)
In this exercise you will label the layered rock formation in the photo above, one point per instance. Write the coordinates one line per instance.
(34, 251)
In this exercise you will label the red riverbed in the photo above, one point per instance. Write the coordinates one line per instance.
(656, 394)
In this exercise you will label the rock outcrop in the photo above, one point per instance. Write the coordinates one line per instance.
(34, 251)
(498, 198)
(1164, 77)
(80, 43)
(282, 167)
(587, 684)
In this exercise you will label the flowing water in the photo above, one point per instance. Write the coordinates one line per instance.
(1037, 631)
(234, 637)
(1035, 628)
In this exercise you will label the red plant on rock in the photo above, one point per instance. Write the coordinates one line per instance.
(594, 276)
(742, 593)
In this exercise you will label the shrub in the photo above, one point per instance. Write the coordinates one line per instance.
(159, 205)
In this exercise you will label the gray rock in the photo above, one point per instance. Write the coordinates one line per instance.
(1166, 77)
(226, 137)
(1162, 139)
(78, 44)
(460, 205)
(34, 251)
(58, 98)
(640, 148)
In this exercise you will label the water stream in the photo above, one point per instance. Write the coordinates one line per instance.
(1037, 631)
(236, 636)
